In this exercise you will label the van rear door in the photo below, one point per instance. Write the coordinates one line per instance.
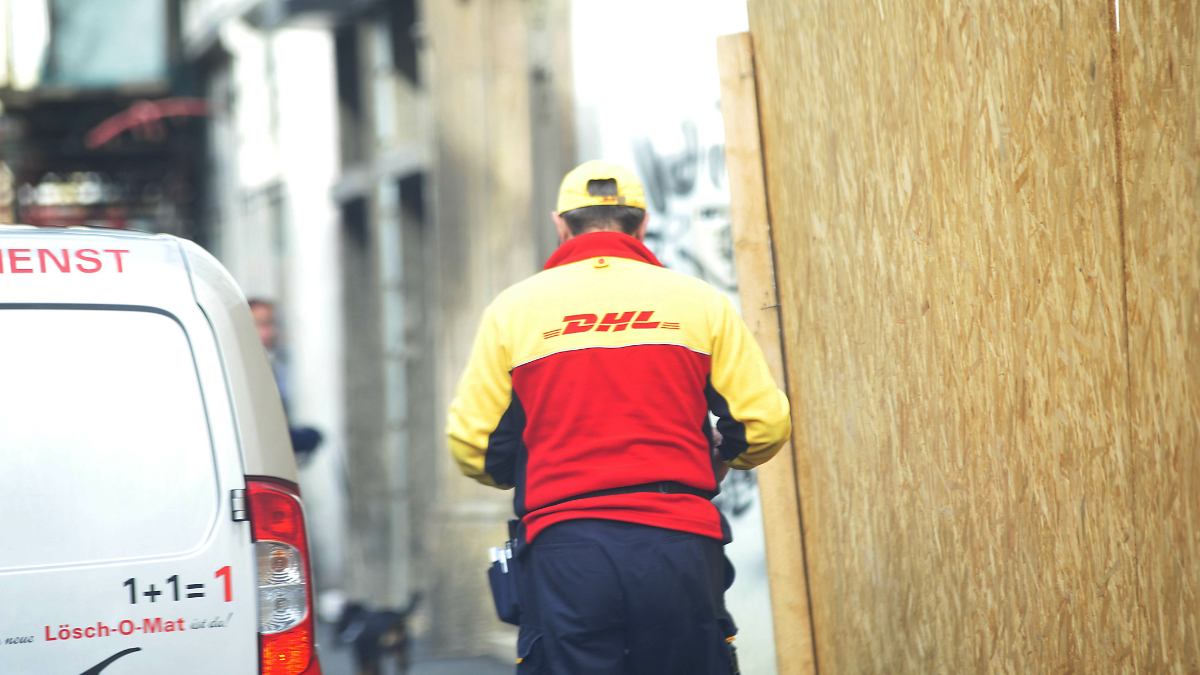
(118, 546)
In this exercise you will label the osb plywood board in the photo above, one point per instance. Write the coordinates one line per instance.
(760, 307)
(1160, 102)
(941, 179)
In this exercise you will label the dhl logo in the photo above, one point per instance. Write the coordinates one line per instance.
(613, 321)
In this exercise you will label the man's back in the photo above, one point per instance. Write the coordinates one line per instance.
(611, 364)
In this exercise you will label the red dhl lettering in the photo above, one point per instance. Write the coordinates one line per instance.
(612, 322)
(61, 261)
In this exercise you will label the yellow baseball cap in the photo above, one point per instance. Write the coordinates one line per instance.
(574, 191)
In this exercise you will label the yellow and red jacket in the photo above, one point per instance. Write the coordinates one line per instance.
(599, 373)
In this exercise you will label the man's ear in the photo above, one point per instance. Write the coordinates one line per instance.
(640, 232)
(560, 224)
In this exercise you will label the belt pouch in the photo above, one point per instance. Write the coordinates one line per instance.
(503, 577)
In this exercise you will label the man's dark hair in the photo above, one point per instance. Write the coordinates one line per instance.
(627, 218)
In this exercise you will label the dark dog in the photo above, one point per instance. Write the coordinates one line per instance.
(376, 635)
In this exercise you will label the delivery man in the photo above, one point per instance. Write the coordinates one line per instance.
(589, 391)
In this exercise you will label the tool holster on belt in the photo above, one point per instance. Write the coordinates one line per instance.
(503, 576)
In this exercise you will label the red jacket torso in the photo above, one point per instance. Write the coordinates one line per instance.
(600, 373)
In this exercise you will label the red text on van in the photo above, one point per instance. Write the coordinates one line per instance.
(126, 627)
(61, 261)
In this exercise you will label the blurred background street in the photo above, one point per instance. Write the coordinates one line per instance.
(373, 172)
(338, 659)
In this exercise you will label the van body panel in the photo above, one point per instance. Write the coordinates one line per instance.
(266, 444)
(166, 582)
(135, 454)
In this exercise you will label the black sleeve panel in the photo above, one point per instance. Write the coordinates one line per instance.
(733, 432)
(505, 444)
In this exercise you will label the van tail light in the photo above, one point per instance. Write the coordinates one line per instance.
(287, 635)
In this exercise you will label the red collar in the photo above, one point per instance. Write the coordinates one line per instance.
(597, 244)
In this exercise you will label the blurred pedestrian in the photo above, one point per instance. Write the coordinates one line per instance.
(589, 391)
(305, 440)
(263, 312)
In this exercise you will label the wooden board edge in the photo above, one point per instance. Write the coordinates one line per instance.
(786, 572)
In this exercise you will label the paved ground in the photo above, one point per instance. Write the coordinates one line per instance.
(336, 659)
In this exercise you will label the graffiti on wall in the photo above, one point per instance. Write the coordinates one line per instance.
(688, 196)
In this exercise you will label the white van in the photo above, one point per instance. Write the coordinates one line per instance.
(149, 516)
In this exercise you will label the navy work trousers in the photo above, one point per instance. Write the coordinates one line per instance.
(603, 597)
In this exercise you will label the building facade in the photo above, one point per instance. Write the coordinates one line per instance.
(106, 135)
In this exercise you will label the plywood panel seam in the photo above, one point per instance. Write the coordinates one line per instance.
(1117, 91)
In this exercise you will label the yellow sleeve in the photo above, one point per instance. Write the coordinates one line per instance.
(753, 415)
(482, 425)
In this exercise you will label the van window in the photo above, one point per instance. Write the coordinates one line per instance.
(104, 442)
